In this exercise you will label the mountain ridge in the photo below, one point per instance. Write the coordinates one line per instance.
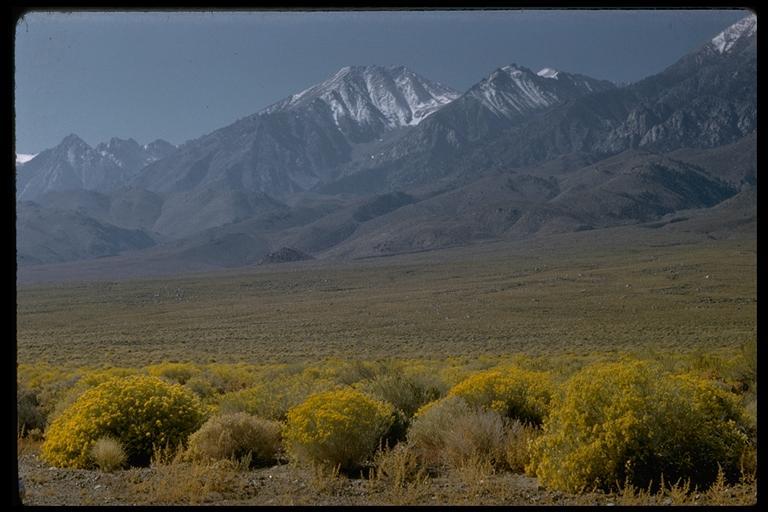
(377, 160)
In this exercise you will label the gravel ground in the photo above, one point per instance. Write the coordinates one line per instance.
(290, 485)
(277, 485)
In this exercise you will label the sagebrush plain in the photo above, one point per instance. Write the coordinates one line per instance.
(404, 330)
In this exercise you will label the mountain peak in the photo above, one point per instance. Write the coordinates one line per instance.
(158, 143)
(73, 140)
(373, 95)
(514, 90)
(118, 144)
(513, 67)
(725, 40)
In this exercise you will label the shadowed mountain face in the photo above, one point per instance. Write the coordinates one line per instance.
(379, 160)
(48, 235)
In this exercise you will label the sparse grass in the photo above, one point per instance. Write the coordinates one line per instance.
(327, 479)
(517, 441)
(475, 473)
(399, 474)
(177, 481)
(567, 301)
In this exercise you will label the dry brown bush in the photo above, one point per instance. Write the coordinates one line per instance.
(108, 454)
(235, 436)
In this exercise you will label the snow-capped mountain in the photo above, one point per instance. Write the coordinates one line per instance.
(508, 97)
(725, 40)
(74, 165)
(302, 141)
(378, 160)
(373, 96)
(513, 90)
(706, 99)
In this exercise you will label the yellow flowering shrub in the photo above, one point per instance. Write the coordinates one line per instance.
(87, 379)
(337, 428)
(38, 375)
(53, 388)
(512, 392)
(630, 422)
(139, 411)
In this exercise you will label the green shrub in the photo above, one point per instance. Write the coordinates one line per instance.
(235, 436)
(405, 392)
(29, 414)
(746, 366)
(631, 423)
(174, 372)
(203, 387)
(48, 384)
(517, 442)
(272, 398)
(139, 411)
(337, 428)
(108, 454)
(230, 377)
(512, 392)
(398, 429)
(348, 373)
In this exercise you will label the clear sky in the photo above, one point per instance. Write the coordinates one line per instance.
(178, 76)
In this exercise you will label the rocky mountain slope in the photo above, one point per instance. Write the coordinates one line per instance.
(300, 142)
(74, 165)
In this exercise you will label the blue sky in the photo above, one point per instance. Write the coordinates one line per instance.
(178, 76)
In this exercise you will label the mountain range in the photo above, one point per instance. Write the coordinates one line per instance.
(379, 160)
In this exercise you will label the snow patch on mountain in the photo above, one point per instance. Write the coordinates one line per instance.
(725, 40)
(548, 73)
(512, 90)
(22, 158)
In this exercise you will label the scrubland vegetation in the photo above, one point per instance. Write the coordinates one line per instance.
(626, 427)
(651, 422)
